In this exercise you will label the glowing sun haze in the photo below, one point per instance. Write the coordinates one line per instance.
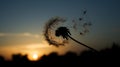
(33, 56)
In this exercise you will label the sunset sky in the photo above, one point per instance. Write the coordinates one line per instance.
(22, 25)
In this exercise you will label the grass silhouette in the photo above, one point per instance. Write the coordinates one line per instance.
(108, 56)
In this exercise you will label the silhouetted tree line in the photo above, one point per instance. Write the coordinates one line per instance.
(108, 56)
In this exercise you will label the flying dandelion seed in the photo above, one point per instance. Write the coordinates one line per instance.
(74, 24)
(82, 25)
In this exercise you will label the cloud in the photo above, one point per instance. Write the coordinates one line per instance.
(27, 34)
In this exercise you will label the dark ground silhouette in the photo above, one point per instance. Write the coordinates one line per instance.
(108, 56)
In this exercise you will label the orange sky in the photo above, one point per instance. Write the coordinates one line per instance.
(38, 48)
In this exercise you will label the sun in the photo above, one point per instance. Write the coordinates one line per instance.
(35, 56)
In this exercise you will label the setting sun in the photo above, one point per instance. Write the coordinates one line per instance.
(35, 56)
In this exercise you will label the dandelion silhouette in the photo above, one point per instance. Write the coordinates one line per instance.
(50, 30)
(58, 35)
(51, 35)
(62, 31)
(65, 33)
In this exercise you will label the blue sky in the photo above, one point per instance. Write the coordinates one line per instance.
(26, 18)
